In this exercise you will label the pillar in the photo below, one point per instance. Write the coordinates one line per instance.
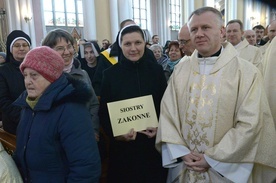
(89, 20)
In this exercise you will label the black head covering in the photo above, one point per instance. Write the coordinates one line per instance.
(11, 37)
(95, 47)
(148, 55)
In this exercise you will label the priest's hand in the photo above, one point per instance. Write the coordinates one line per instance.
(199, 164)
(150, 132)
(127, 137)
(189, 158)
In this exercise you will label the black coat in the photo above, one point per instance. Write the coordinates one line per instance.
(11, 86)
(90, 70)
(138, 160)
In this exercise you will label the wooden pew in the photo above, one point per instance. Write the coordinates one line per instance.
(8, 141)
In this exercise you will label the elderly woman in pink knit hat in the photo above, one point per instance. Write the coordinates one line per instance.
(54, 144)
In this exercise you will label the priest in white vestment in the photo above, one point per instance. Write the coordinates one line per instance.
(8, 170)
(270, 76)
(215, 123)
(234, 32)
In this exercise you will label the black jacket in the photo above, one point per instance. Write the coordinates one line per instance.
(12, 85)
(261, 43)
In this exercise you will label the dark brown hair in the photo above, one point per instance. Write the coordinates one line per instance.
(175, 43)
(54, 36)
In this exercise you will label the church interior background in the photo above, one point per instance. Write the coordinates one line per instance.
(99, 19)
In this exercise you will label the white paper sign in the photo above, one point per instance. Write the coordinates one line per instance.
(137, 113)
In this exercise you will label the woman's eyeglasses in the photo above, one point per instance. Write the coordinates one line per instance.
(18, 45)
(61, 49)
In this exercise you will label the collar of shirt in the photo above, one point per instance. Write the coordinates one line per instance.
(214, 55)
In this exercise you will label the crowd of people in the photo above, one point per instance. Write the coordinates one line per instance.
(212, 90)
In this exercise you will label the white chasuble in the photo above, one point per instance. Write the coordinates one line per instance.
(223, 114)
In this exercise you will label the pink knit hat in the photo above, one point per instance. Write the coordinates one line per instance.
(45, 61)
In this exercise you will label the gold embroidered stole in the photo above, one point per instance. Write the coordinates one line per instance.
(200, 117)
